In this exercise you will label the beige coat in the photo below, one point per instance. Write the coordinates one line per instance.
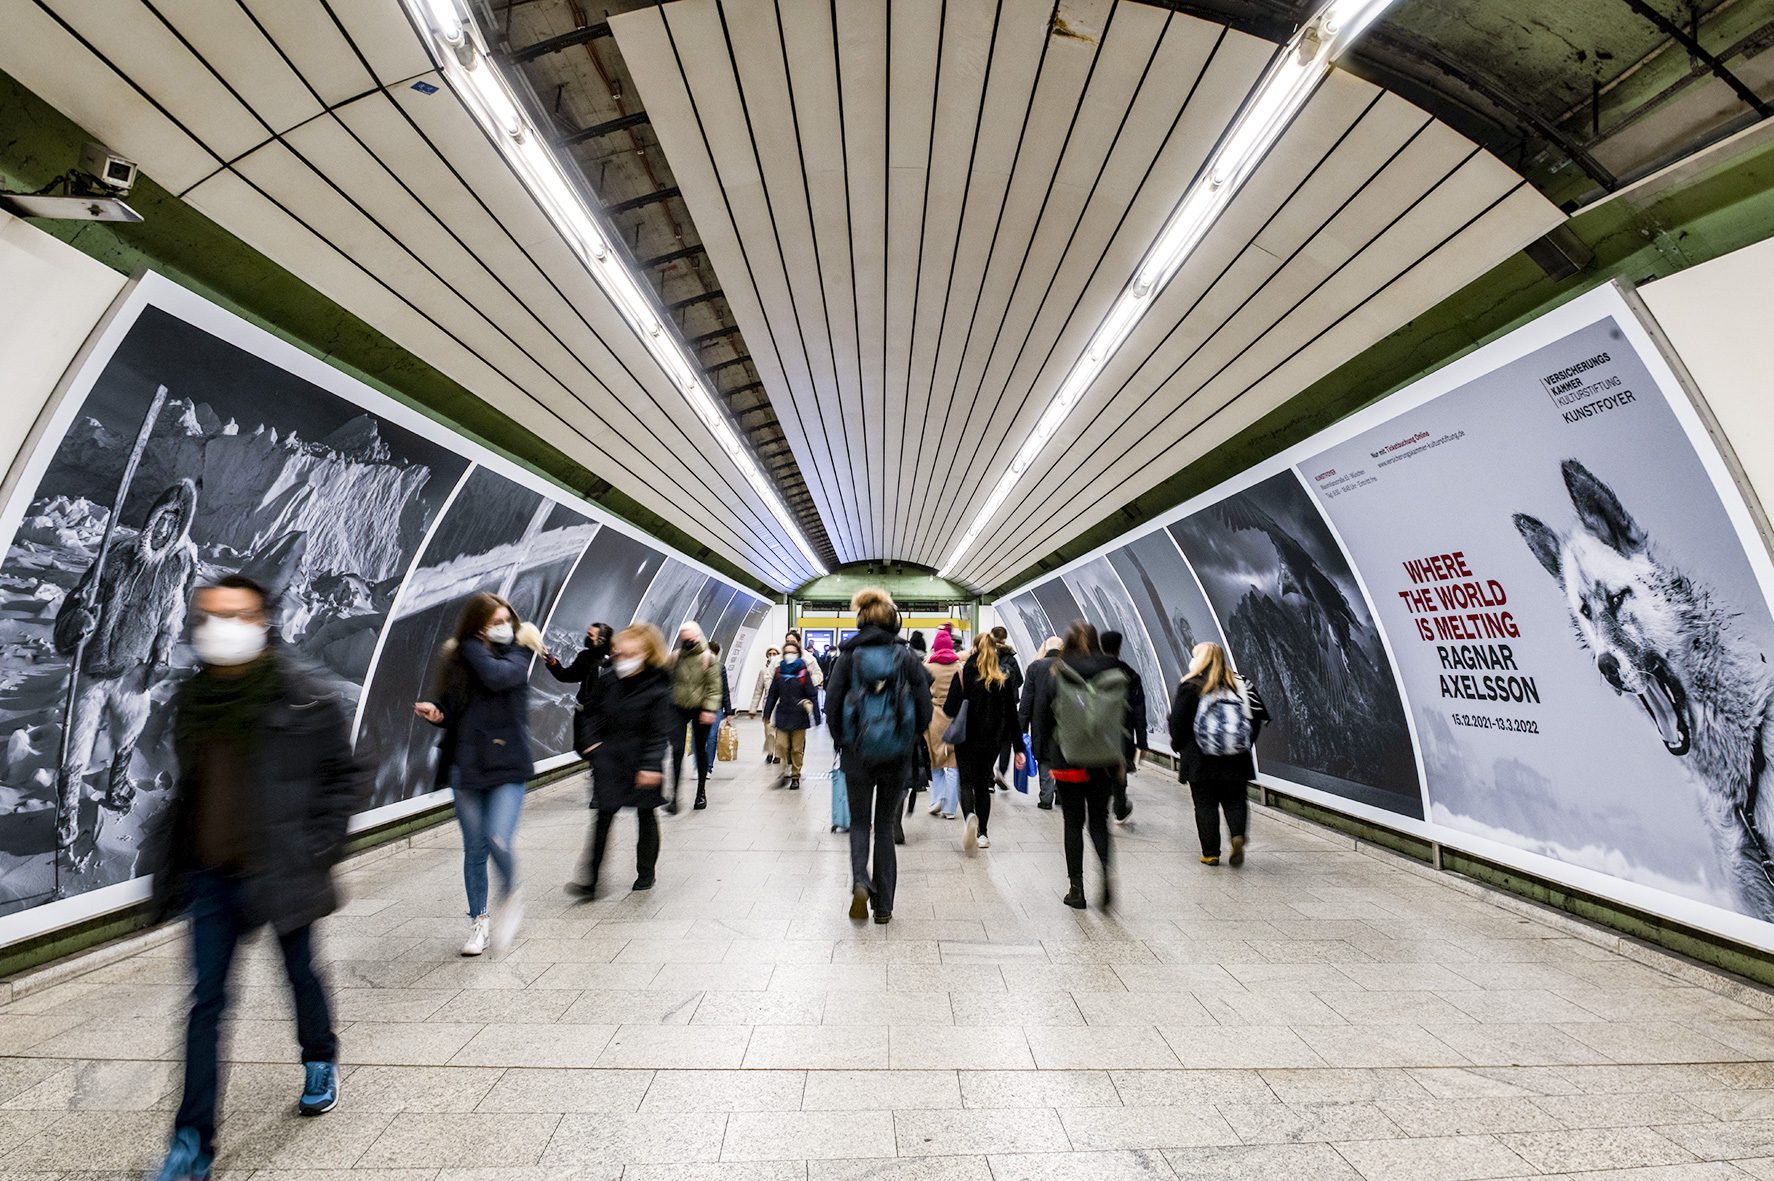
(942, 755)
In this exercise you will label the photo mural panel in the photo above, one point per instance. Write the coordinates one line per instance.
(1584, 641)
(1027, 624)
(1097, 588)
(671, 601)
(239, 466)
(218, 448)
(1170, 603)
(1296, 624)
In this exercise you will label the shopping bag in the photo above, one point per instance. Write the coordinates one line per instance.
(727, 745)
(1027, 772)
(840, 802)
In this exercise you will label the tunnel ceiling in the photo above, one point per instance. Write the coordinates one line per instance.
(887, 228)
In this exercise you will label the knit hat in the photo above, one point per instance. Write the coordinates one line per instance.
(942, 648)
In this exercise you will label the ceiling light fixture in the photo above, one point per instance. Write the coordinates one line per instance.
(472, 74)
(1284, 89)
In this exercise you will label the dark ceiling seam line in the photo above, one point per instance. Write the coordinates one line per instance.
(872, 533)
(945, 525)
(1109, 242)
(1211, 415)
(788, 76)
(921, 486)
(470, 253)
(911, 346)
(1000, 555)
(195, 139)
(844, 511)
(1160, 346)
(744, 253)
(772, 545)
(985, 268)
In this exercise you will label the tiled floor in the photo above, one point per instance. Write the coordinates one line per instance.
(1318, 1015)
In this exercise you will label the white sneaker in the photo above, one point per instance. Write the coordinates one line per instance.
(985, 842)
(511, 916)
(936, 809)
(479, 932)
(970, 838)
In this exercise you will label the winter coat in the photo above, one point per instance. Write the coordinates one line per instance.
(632, 729)
(911, 672)
(486, 723)
(1039, 673)
(305, 785)
(1192, 765)
(767, 675)
(991, 711)
(1043, 735)
(584, 671)
(726, 694)
(942, 679)
(793, 703)
(696, 679)
(1136, 710)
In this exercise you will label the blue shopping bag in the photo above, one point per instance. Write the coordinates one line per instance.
(840, 802)
(1024, 774)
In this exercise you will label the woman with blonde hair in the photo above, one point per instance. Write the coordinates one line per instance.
(1214, 723)
(630, 739)
(981, 703)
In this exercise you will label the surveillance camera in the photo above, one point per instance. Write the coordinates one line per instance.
(115, 174)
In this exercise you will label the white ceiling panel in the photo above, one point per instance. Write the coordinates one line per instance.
(1007, 171)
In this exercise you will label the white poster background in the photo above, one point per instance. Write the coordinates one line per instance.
(152, 290)
(1746, 572)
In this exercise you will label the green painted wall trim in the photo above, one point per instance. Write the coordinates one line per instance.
(904, 586)
(38, 143)
(1700, 946)
(1702, 211)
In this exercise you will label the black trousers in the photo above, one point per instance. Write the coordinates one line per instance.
(1086, 805)
(698, 747)
(974, 760)
(874, 806)
(646, 853)
(1212, 796)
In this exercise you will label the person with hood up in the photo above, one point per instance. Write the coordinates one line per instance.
(1218, 782)
(945, 777)
(1012, 667)
(793, 708)
(983, 691)
(257, 818)
(1084, 785)
(481, 701)
(584, 671)
(1121, 806)
(1039, 671)
(696, 691)
(632, 730)
(881, 708)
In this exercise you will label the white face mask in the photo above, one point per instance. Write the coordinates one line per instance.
(228, 642)
(501, 633)
(629, 665)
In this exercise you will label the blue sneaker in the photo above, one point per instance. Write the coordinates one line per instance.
(320, 1093)
(185, 1160)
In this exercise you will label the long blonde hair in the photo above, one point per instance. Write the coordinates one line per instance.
(1208, 661)
(985, 651)
(651, 641)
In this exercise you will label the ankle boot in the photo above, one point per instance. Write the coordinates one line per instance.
(1075, 896)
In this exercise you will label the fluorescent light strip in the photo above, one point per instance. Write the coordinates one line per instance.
(472, 74)
(1290, 81)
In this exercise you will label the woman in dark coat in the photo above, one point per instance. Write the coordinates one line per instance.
(482, 703)
(1217, 782)
(631, 735)
(584, 671)
(792, 707)
(988, 692)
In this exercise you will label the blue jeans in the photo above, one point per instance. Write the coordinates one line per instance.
(218, 921)
(488, 818)
(714, 741)
(945, 789)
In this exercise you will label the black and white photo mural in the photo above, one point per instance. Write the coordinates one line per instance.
(186, 444)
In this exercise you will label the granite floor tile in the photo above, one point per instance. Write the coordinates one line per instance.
(808, 1135)
(676, 1047)
(965, 1133)
(817, 1047)
(1104, 1128)
(646, 1138)
(535, 1045)
(1447, 1158)
(1131, 1165)
(1268, 1162)
(1040, 1088)
(726, 1090)
(1590, 1149)
(888, 1090)
(533, 1091)
(1127, 1047)
(917, 1047)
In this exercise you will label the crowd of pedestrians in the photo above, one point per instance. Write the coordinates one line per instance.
(268, 780)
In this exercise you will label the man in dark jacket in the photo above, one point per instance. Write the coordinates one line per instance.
(257, 820)
(1014, 672)
(874, 783)
(1084, 791)
(1136, 722)
(584, 671)
(1033, 689)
